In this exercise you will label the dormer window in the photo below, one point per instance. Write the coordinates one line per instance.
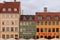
(15, 9)
(39, 17)
(30, 18)
(3, 9)
(48, 17)
(9, 9)
(56, 17)
(24, 18)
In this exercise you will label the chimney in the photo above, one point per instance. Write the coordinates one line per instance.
(14, 0)
(45, 9)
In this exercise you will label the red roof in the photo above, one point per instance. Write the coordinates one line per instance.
(27, 17)
(44, 14)
(11, 5)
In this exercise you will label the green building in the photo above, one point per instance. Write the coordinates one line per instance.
(27, 26)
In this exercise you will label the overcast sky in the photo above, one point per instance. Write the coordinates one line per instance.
(32, 6)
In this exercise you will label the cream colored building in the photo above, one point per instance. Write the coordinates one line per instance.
(9, 19)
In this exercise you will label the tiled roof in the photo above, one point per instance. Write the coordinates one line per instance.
(11, 5)
(27, 17)
(44, 14)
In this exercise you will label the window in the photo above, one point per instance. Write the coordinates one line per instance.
(3, 29)
(46, 23)
(49, 29)
(12, 15)
(16, 29)
(57, 29)
(7, 29)
(21, 30)
(3, 36)
(9, 9)
(15, 9)
(57, 22)
(37, 29)
(21, 23)
(3, 16)
(53, 23)
(49, 23)
(24, 18)
(56, 17)
(7, 36)
(53, 29)
(41, 36)
(37, 37)
(7, 15)
(57, 36)
(4, 9)
(48, 17)
(12, 29)
(41, 29)
(30, 18)
(39, 17)
(7, 22)
(41, 22)
(16, 16)
(3, 23)
(12, 36)
(12, 23)
(45, 29)
(16, 36)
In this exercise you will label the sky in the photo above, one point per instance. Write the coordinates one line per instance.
(30, 7)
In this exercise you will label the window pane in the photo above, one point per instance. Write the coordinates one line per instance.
(7, 28)
(45, 23)
(3, 29)
(37, 29)
(41, 23)
(56, 17)
(7, 36)
(57, 29)
(16, 36)
(16, 29)
(41, 29)
(3, 36)
(53, 23)
(40, 18)
(57, 22)
(49, 22)
(45, 29)
(9, 9)
(12, 29)
(12, 36)
(2, 23)
(49, 29)
(53, 29)
(48, 17)
(12, 23)
(4, 9)
(15, 9)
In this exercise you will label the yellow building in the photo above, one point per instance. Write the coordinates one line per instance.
(48, 24)
(9, 19)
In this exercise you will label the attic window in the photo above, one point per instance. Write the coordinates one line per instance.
(9, 9)
(15, 9)
(30, 18)
(3, 9)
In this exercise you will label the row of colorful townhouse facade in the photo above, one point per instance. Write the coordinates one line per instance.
(14, 25)
(41, 25)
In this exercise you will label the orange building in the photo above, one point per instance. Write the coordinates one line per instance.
(47, 24)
